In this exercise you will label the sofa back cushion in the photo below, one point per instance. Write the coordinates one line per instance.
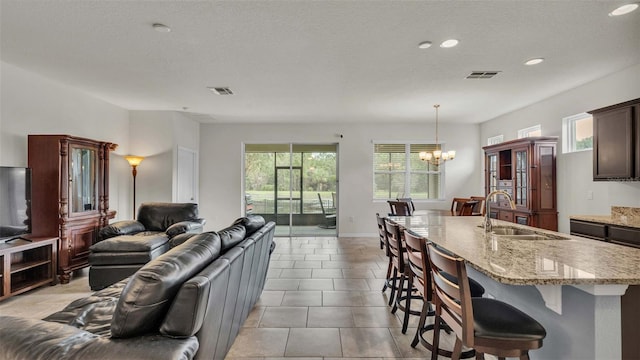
(251, 223)
(232, 236)
(159, 216)
(146, 298)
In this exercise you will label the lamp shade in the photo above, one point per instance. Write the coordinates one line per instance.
(134, 160)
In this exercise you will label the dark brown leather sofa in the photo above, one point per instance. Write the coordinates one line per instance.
(189, 302)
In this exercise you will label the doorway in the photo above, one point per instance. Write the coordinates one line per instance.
(294, 185)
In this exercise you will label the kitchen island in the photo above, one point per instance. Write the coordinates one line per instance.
(584, 292)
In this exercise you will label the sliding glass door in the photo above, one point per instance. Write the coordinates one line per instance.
(294, 185)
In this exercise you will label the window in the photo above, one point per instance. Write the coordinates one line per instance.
(495, 139)
(530, 131)
(577, 133)
(399, 172)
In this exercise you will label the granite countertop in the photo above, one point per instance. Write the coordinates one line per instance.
(620, 215)
(570, 261)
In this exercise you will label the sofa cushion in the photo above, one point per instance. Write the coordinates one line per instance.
(150, 291)
(251, 223)
(159, 216)
(141, 242)
(232, 236)
(124, 227)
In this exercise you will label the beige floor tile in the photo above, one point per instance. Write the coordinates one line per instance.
(330, 317)
(316, 284)
(375, 316)
(295, 274)
(291, 257)
(317, 257)
(253, 342)
(368, 342)
(284, 317)
(314, 342)
(273, 273)
(350, 284)
(342, 298)
(254, 317)
(326, 273)
(281, 284)
(281, 264)
(270, 298)
(357, 274)
(302, 298)
(304, 264)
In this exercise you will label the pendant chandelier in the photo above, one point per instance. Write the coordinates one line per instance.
(437, 157)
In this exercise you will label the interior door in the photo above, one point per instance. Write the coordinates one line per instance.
(186, 177)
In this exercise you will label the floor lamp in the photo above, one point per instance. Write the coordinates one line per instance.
(134, 161)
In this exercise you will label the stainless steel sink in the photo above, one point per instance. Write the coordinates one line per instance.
(512, 231)
(524, 234)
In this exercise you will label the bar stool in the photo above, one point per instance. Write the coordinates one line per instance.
(384, 244)
(487, 325)
(420, 272)
(404, 291)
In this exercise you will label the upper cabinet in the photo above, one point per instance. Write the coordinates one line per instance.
(616, 142)
(70, 194)
(526, 169)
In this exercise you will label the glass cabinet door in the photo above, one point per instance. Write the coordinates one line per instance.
(83, 180)
(522, 180)
(492, 165)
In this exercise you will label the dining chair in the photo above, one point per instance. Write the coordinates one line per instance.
(487, 325)
(457, 205)
(329, 218)
(410, 202)
(479, 208)
(399, 208)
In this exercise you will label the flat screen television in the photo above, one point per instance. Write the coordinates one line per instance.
(15, 202)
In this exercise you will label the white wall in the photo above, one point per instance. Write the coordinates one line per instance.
(221, 166)
(574, 170)
(32, 104)
(157, 134)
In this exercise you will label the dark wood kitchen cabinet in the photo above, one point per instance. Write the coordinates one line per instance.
(70, 194)
(616, 142)
(526, 169)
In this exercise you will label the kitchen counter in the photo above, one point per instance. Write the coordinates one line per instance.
(584, 292)
(620, 215)
(575, 261)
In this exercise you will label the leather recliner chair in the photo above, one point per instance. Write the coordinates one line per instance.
(125, 246)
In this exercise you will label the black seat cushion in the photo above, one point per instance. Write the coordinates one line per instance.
(141, 242)
(150, 291)
(477, 290)
(494, 319)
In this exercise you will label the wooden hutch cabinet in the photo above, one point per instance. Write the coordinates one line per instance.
(70, 194)
(526, 169)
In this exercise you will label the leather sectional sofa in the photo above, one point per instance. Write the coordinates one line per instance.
(189, 302)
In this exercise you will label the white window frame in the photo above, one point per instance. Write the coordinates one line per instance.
(526, 132)
(495, 139)
(407, 171)
(569, 132)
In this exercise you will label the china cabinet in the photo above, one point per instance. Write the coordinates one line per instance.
(70, 194)
(526, 170)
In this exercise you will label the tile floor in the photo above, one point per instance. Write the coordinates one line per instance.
(322, 299)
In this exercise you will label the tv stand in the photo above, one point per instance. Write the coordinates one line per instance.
(18, 238)
(27, 264)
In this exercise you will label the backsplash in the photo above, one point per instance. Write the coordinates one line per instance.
(626, 215)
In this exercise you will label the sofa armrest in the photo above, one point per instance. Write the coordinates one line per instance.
(190, 226)
(32, 339)
(125, 227)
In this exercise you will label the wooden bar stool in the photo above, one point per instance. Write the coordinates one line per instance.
(384, 244)
(489, 326)
(420, 277)
(403, 292)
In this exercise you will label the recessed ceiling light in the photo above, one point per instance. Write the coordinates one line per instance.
(534, 61)
(624, 9)
(424, 45)
(161, 28)
(449, 43)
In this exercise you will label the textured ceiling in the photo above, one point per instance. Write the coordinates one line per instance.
(320, 61)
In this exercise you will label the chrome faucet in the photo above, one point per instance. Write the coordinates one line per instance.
(488, 227)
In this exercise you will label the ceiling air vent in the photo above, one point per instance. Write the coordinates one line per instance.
(482, 74)
(221, 90)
